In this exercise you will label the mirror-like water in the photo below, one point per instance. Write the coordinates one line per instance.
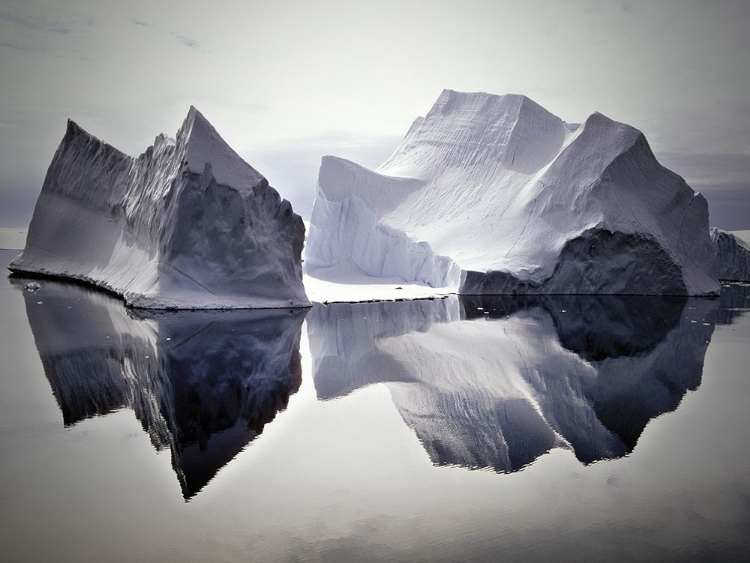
(537, 428)
(203, 384)
(495, 382)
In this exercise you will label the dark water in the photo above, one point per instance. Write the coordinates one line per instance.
(202, 384)
(545, 428)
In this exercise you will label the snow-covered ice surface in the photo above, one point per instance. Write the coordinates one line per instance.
(494, 194)
(346, 283)
(733, 255)
(187, 224)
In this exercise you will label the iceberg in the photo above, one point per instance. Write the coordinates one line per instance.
(733, 256)
(494, 194)
(186, 225)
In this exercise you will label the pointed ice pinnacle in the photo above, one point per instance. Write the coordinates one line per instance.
(187, 224)
(494, 194)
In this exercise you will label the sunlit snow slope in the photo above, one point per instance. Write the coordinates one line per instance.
(494, 194)
(187, 224)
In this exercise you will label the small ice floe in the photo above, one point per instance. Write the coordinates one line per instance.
(32, 286)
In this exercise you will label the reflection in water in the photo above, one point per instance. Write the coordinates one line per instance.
(735, 301)
(202, 383)
(495, 382)
(484, 382)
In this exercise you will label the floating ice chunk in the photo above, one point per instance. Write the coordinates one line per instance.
(187, 224)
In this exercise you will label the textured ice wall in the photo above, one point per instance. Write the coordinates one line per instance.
(187, 224)
(733, 255)
(494, 194)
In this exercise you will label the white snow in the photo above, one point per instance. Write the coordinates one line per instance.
(494, 194)
(346, 283)
(187, 224)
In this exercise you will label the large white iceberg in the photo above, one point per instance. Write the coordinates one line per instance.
(497, 381)
(733, 255)
(494, 194)
(187, 224)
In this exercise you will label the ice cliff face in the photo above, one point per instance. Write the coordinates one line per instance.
(187, 224)
(733, 255)
(494, 194)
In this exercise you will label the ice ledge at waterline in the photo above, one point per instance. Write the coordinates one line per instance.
(494, 194)
(187, 224)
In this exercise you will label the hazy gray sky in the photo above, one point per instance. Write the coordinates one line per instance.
(286, 82)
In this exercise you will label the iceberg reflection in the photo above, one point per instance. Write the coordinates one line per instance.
(202, 383)
(735, 301)
(495, 382)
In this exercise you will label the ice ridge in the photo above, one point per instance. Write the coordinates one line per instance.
(494, 194)
(187, 224)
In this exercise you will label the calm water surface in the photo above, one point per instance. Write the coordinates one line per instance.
(476, 429)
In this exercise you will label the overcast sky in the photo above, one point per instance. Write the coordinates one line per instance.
(286, 82)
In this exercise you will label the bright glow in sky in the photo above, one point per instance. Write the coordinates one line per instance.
(286, 82)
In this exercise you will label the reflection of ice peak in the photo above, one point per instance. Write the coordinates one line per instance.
(202, 383)
(345, 335)
(514, 378)
(735, 300)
